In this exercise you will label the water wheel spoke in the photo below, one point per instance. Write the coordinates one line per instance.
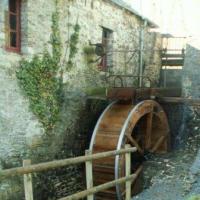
(139, 138)
(158, 143)
(149, 129)
(134, 143)
(137, 173)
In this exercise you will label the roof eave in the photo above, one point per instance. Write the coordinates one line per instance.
(150, 23)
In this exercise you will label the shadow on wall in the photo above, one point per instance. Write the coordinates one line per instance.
(191, 89)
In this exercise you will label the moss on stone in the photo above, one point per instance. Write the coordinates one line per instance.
(195, 197)
(97, 91)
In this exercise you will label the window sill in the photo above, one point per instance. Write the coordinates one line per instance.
(13, 50)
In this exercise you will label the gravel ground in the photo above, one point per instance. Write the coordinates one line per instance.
(174, 176)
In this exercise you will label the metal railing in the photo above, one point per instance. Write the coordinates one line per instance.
(28, 169)
(127, 80)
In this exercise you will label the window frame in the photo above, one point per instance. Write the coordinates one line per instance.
(10, 48)
(104, 61)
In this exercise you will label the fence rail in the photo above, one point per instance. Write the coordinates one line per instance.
(27, 169)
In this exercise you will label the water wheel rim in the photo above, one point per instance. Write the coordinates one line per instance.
(92, 142)
(122, 137)
(122, 133)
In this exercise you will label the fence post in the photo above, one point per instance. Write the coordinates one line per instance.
(89, 175)
(28, 188)
(128, 172)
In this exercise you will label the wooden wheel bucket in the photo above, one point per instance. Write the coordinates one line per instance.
(143, 125)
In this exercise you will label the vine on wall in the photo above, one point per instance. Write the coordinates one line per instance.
(40, 79)
(74, 39)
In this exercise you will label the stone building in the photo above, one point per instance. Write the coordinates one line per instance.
(25, 31)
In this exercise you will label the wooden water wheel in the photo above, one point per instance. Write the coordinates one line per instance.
(143, 125)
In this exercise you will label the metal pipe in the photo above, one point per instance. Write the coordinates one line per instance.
(141, 52)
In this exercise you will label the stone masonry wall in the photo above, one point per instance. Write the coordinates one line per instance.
(21, 134)
(191, 89)
(191, 78)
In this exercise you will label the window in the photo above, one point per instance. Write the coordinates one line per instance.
(107, 59)
(13, 39)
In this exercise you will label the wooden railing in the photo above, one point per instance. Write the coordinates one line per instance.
(27, 169)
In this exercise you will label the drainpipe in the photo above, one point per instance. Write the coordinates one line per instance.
(141, 52)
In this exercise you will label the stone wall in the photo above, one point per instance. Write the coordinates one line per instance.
(152, 56)
(191, 78)
(21, 134)
(190, 84)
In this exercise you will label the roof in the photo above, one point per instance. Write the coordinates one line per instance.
(125, 6)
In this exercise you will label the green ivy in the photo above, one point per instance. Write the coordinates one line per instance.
(41, 77)
(40, 82)
(55, 38)
(73, 45)
(195, 197)
(38, 79)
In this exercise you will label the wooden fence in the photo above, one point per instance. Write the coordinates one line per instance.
(28, 169)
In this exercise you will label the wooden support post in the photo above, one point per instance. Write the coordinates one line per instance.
(89, 174)
(128, 172)
(28, 188)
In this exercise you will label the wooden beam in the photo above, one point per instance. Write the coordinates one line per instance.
(166, 92)
(157, 145)
(102, 187)
(99, 188)
(170, 55)
(174, 62)
(134, 143)
(137, 172)
(192, 102)
(60, 163)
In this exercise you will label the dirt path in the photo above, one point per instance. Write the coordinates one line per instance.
(174, 176)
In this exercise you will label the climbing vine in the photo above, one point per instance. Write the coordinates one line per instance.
(73, 45)
(55, 39)
(41, 77)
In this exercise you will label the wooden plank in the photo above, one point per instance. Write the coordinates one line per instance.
(192, 102)
(89, 175)
(28, 188)
(99, 188)
(128, 172)
(60, 163)
(123, 93)
(166, 92)
(178, 55)
(174, 62)
(109, 142)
